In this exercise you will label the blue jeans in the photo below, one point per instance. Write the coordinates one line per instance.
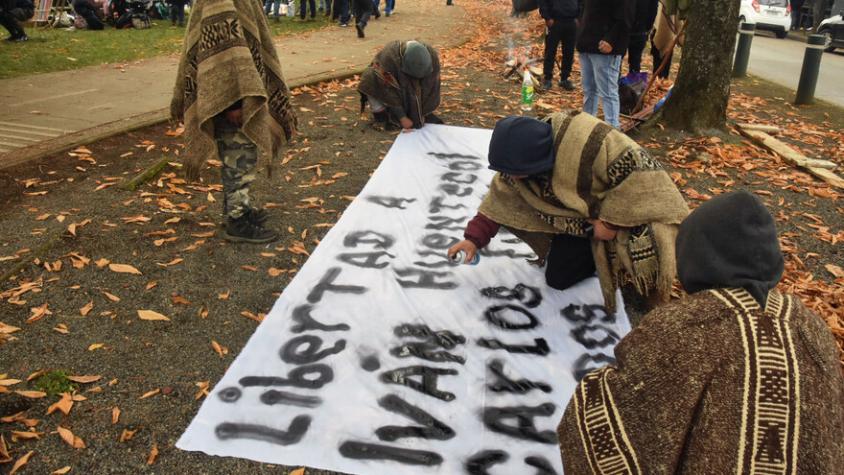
(389, 6)
(272, 4)
(599, 73)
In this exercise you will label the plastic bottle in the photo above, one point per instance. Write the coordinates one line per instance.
(527, 92)
(460, 258)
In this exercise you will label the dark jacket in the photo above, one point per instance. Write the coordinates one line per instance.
(559, 9)
(645, 16)
(12, 5)
(608, 20)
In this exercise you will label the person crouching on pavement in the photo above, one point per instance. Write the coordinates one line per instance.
(736, 378)
(586, 198)
(230, 94)
(402, 85)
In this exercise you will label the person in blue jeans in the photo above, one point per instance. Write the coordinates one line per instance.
(604, 38)
(389, 6)
(273, 5)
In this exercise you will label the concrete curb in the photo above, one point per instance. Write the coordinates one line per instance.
(83, 137)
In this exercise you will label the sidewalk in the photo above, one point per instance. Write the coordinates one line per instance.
(46, 113)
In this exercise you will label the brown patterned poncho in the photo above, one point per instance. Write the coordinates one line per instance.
(599, 173)
(229, 56)
(713, 385)
(385, 81)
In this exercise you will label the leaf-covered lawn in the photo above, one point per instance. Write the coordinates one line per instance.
(61, 49)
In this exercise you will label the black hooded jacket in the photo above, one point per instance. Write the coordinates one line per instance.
(730, 241)
(559, 9)
(607, 20)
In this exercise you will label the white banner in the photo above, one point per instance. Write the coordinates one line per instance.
(382, 357)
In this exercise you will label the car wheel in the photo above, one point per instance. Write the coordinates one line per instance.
(827, 40)
(781, 34)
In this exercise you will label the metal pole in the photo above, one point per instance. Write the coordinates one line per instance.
(746, 31)
(811, 67)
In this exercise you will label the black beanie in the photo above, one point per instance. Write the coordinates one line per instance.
(730, 241)
(521, 146)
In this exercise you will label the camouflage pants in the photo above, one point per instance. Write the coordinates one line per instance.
(240, 158)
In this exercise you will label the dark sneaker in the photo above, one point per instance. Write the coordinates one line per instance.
(547, 85)
(344, 25)
(359, 27)
(388, 13)
(566, 84)
(257, 216)
(377, 14)
(242, 230)
(21, 38)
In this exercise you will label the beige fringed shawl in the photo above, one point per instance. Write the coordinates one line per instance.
(229, 56)
(599, 173)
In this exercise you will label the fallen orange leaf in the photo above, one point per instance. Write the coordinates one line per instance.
(152, 316)
(150, 393)
(64, 404)
(21, 462)
(70, 439)
(124, 269)
(85, 379)
(84, 311)
(153, 454)
(32, 394)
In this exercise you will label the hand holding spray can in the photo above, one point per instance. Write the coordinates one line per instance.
(459, 257)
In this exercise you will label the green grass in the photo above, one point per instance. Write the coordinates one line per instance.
(54, 383)
(60, 49)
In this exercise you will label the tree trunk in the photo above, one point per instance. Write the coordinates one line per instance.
(699, 98)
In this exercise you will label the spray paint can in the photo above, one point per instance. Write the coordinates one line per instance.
(459, 257)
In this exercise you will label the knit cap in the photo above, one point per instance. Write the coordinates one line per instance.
(417, 60)
(521, 146)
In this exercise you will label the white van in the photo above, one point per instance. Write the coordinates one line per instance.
(772, 15)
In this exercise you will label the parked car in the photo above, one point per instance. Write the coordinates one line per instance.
(771, 15)
(833, 29)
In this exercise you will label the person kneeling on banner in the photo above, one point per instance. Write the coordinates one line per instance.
(402, 85)
(733, 377)
(586, 198)
(230, 94)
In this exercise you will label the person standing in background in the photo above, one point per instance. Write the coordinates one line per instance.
(273, 5)
(662, 40)
(796, 6)
(303, 10)
(177, 12)
(561, 27)
(362, 10)
(605, 27)
(643, 23)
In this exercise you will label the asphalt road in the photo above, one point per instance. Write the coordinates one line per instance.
(780, 61)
